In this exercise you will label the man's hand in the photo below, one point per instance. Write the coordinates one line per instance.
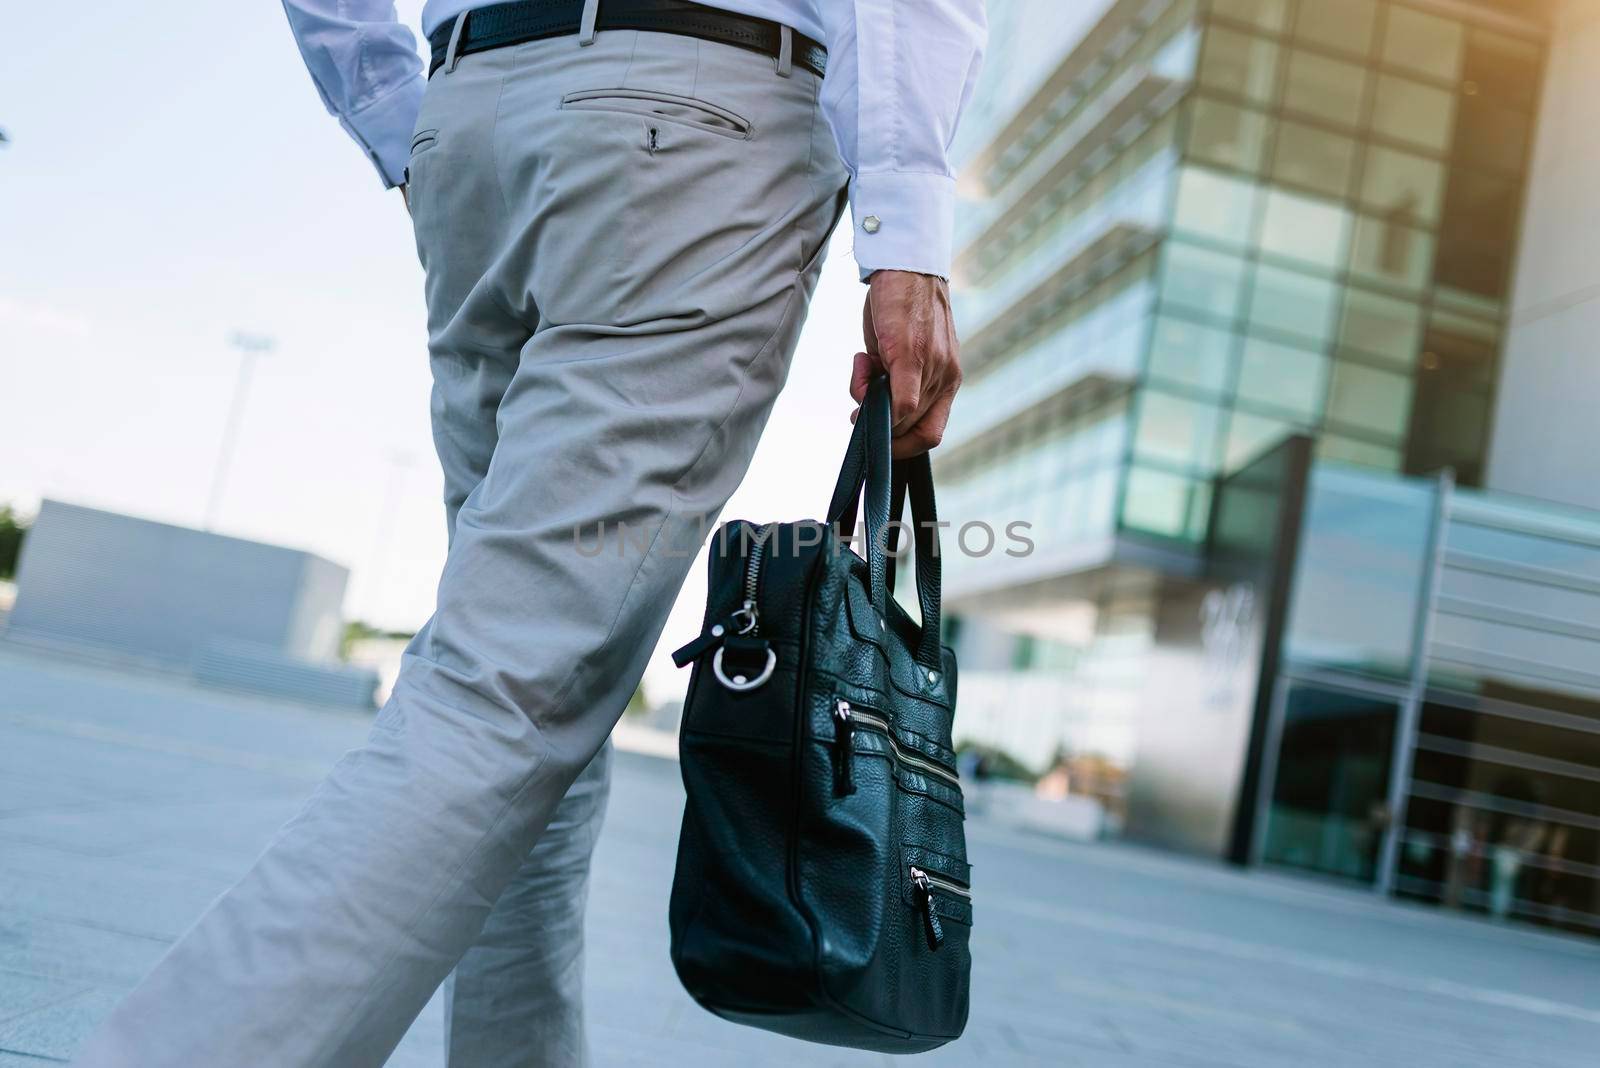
(909, 333)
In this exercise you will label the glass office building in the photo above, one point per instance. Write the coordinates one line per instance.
(1215, 224)
(1428, 709)
(1262, 252)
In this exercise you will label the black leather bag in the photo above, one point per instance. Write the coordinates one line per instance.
(822, 888)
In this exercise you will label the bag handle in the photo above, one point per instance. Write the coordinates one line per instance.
(868, 461)
(916, 475)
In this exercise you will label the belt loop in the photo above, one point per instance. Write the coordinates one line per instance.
(452, 55)
(785, 51)
(591, 11)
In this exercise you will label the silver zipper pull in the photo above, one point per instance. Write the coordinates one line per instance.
(844, 732)
(931, 927)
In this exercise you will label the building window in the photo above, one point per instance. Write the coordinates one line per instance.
(1341, 449)
(1164, 504)
(1251, 435)
(1325, 88)
(1365, 398)
(1226, 135)
(1313, 158)
(1427, 44)
(1268, 14)
(1201, 280)
(1380, 325)
(1502, 69)
(1401, 185)
(1386, 250)
(1410, 111)
(1333, 777)
(1478, 235)
(1189, 354)
(1292, 303)
(1283, 377)
(1177, 431)
(1450, 414)
(1239, 63)
(1491, 135)
(1313, 231)
(1215, 205)
(1345, 26)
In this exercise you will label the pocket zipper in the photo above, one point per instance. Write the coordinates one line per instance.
(846, 718)
(925, 884)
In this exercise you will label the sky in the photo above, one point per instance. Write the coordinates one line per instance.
(172, 178)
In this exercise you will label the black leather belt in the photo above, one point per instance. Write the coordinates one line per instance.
(499, 25)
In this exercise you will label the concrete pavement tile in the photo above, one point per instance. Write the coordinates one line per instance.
(57, 1030)
(21, 993)
(1100, 956)
(23, 792)
(76, 953)
(618, 1048)
(157, 903)
(120, 830)
(9, 1059)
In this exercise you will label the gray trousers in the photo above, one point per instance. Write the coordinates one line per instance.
(620, 242)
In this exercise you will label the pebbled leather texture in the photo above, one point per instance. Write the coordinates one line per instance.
(796, 904)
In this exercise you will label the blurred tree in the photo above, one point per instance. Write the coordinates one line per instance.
(12, 531)
(997, 763)
(356, 630)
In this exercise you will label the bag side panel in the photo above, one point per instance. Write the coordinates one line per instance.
(876, 964)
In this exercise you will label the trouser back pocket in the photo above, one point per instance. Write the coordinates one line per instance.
(667, 107)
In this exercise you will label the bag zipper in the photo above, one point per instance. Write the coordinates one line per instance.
(744, 620)
(925, 883)
(846, 718)
(752, 580)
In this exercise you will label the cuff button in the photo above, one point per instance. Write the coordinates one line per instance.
(871, 224)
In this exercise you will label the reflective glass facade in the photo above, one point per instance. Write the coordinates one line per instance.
(1261, 217)
(1351, 180)
(1437, 727)
(1235, 295)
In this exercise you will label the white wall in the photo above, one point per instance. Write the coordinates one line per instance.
(1547, 419)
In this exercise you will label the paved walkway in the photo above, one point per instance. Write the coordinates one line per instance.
(127, 803)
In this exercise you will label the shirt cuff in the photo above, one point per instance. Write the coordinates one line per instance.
(383, 129)
(903, 222)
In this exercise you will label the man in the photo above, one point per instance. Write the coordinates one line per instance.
(621, 210)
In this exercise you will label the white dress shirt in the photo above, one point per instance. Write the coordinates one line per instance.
(899, 74)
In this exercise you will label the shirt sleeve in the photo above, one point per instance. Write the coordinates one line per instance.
(367, 70)
(900, 72)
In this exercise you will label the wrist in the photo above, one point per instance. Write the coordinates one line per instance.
(890, 273)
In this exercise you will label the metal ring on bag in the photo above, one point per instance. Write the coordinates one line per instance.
(739, 683)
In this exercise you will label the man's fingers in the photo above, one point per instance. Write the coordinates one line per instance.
(861, 373)
(914, 442)
(905, 394)
(927, 433)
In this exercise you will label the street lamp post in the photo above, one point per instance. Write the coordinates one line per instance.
(250, 346)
